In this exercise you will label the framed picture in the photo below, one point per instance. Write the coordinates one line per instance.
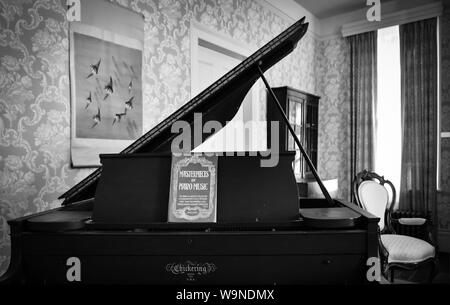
(106, 93)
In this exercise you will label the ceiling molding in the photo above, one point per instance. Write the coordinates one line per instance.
(391, 19)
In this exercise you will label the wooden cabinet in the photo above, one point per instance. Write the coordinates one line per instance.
(302, 110)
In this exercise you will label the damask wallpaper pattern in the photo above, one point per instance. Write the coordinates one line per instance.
(333, 85)
(34, 111)
(34, 85)
(444, 195)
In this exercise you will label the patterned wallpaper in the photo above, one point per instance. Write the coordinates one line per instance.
(444, 195)
(34, 85)
(34, 111)
(333, 85)
(167, 55)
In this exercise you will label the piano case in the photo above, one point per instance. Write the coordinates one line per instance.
(128, 195)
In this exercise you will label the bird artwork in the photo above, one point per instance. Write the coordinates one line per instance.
(94, 68)
(97, 118)
(129, 104)
(88, 100)
(130, 86)
(118, 117)
(132, 71)
(109, 88)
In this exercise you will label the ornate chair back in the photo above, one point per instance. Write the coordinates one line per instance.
(371, 194)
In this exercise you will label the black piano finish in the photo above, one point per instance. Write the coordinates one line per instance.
(139, 184)
(259, 238)
(231, 254)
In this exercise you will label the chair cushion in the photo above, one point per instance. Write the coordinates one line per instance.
(406, 249)
(412, 221)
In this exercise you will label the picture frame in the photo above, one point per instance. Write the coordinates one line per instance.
(106, 93)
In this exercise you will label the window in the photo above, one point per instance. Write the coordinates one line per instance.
(388, 134)
(388, 139)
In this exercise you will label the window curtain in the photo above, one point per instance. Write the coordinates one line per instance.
(418, 59)
(363, 96)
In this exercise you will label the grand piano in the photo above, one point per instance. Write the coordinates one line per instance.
(112, 227)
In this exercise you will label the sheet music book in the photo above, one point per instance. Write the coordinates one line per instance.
(193, 189)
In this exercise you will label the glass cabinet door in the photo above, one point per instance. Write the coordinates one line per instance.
(296, 118)
(302, 110)
(311, 134)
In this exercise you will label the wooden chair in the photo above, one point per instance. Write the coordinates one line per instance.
(396, 251)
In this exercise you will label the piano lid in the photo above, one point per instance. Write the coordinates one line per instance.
(219, 102)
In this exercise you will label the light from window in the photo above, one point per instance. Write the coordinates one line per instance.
(388, 145)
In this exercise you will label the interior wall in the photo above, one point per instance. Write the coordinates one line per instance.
(34, 85)
(34, 111)
(333, 85)
(444, 194)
